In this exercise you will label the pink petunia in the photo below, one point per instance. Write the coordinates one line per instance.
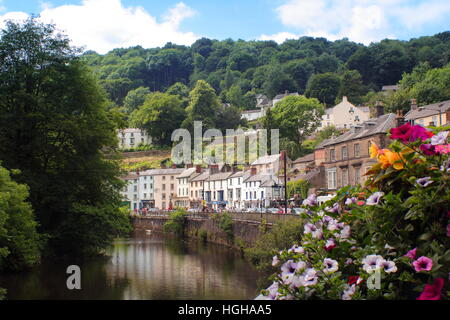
(442, 148)
(423, 264)
(411, 254)
(432, 291)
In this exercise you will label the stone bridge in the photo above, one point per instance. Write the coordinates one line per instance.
(246, 226)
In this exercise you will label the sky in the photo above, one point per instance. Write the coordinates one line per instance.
(102, 25)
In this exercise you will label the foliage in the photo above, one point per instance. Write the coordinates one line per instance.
(203, 106)
(20, 244)
(176, 223)
(54, 112)
(238, 69)
(297, 117)
(226, 225)
(388, 240)
(325, 87)
(134, 99)
(280, 237)
(159, 116)
(300, 187)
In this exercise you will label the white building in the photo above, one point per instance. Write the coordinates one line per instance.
(344, 115)
(235, 196)
(259, 190)
(216, 190)
(251, 115)
(146, 190)
(132, 138)
(184, 186)
(130, 192)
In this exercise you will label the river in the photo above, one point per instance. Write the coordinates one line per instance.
(144, 267)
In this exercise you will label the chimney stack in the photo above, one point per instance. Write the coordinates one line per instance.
(174, 166)
(413, 104)
(213, 168)
(344, 99)
(399, 118)
(253, 171)
(198, 168)
(163, 166)
(189, 165)
(379, 108)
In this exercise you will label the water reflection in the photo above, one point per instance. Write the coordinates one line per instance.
(144, 267)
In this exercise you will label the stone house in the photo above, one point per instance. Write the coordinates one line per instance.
(436, 114)
(347, 157)
(132, 138)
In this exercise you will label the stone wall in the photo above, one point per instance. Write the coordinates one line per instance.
(245, 232)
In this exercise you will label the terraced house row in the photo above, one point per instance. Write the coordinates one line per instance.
(336, 162)
(216, 186)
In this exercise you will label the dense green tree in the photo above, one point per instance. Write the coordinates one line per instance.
(181, 90)
(300, 71)
(229, 117)
(203, 106)
(324, 87)
(352, 86)
(134, 99)
(297, 117)
(159, 116)
(55, 128)
(20, 243)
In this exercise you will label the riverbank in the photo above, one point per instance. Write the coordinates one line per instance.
(144, 267)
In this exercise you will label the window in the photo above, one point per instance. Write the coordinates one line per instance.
(135, 188)
(262, 194)
(163, 205)
(357, 174)
(131, 141)
(164, 187)
(332, 155)
(331, 178)
(135, 197)
(145, 186)
(164, 196)
(151, 185)
(171, 177)
(344, 152)
(369, 144)
(145, 196)
(344, 177)
(356, 150)
(255, 194)
(246, 195)
(164, 177)
(171, 186)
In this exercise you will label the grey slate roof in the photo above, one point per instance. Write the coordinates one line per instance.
(187, 173)
(307, 158)
(220, 176)
(201, 177)
(266, 159)
(156, 172)
(366, 129)
(442, 106)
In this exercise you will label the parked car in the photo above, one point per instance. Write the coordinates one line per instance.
(260, 210)
(192, 210)
(298, 210)
(275, 210)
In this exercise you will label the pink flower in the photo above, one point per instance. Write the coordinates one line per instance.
(428, 149)
(406, 133)
(419, 132)
(330, 244)
(432, 291)
(448, 230)
(411, 254)
(442, 149)
(423, 264)
(401, 133)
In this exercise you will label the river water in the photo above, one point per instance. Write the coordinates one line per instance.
(144, 267)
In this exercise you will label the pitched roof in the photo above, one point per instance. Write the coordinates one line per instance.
(130, 176)
(391, 87)
(281, 96)
(266, 159)
(157, 172)
(307, 176)
(220, 176)
(428, 110)
(187, 173)
(366, 129)
(307, 158)
(201, 177)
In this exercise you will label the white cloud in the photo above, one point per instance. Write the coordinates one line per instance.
(279, 37)
(359, 20)
(103, 25)
(2, 8)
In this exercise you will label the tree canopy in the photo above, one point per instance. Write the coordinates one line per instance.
(55, 128)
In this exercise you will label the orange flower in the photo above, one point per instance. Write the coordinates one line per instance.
(374, 150)
(389, 158)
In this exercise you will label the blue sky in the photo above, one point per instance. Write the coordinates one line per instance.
(105, 24)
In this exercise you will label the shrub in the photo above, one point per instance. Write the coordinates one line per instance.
(176, 223)
(226, 225)
(279, 238)
(388, 240)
